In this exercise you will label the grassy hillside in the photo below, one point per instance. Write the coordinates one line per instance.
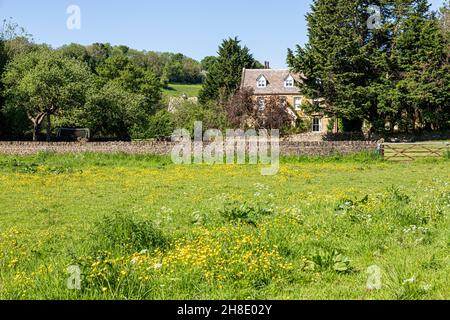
(176, 90)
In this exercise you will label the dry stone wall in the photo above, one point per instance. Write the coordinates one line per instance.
(288, 148)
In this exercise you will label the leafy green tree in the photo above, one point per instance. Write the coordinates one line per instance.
(161, 125)
(98, 53)
(17, 46)
(112, 68)
(224, 78)
(173, 73)
(192, 71)
(16, 40)
(122, 82)
(44, 83)
(211, 114)
(181, 69)
(114, 111)
(76, 51)
(132, 78)
(155, 62)
(120, 50)
(3, 58)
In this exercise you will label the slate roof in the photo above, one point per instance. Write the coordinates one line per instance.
(275, 81)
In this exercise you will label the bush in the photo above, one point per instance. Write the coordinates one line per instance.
(330, 260)
(161, 125)
(302, 125)
(244, 213)
(211, 114)
(129, 234)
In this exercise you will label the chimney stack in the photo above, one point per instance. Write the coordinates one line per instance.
(266, 64)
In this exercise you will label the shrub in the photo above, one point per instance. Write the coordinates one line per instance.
(398, 195)
(22, 167)
(161, 125)
(329, 260)
(244, 213)
(405, 285)
(211, 114)
(129, 234)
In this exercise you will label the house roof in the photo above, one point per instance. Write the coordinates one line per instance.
(275, 81)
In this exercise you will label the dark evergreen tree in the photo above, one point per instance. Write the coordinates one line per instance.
(363, 73)
(208, 62)
(224, 77)
(420, 91)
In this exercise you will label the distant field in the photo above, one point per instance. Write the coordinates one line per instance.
(176, 90)
(142, 228)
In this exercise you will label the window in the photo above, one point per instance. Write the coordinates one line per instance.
(289, 82)
(317, 125)
(316, 103)
(298, 103)
(261, 104)
(261, 82)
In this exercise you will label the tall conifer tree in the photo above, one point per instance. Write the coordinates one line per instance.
(224, 78)
(375, 74)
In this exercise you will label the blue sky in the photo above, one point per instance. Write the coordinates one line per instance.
(192, 27)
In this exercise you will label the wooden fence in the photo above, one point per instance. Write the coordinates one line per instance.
(414, 151)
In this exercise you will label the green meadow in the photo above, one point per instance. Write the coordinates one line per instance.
(177, 90)
(140, 227)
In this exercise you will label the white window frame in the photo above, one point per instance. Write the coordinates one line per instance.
(289, 82)
(261, 82)
(317, 126)
(261, 102)
(298, 107)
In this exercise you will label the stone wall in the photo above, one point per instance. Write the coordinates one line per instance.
(359, 136)
(164, 148)
(325, 148)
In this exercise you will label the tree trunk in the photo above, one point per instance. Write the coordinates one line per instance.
(37, 121)
(49, 127)
(35, 132)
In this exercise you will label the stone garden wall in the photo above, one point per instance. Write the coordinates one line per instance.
(288, 148)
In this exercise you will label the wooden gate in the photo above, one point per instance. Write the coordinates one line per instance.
(414, 151)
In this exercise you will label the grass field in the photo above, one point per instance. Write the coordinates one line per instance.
(143, 228)
(177, 90)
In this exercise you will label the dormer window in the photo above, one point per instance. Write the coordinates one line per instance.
(261, 82)
(289, 82)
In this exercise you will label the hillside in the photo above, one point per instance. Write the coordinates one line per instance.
(177, 90)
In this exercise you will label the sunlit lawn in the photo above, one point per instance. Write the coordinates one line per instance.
(177, 90)
(222, 232)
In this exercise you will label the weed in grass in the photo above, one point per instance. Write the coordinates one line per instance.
(330, 260)
(406, 286)
(128, 234)
(244, 213)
